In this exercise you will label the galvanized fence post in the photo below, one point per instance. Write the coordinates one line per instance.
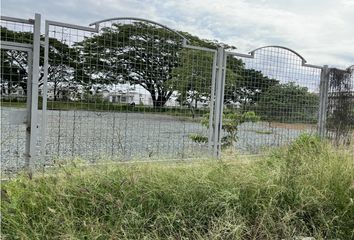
(45, 93)
(322, 113)
(211, 138)
(32, 99)
(219, 92)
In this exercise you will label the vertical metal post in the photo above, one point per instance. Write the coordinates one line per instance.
(322, 113)
(45, 93)
(211, 139)
(32, 123)
(223, 79)
(28, 109)
(220, 84)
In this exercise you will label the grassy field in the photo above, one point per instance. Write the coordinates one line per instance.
(305, 190)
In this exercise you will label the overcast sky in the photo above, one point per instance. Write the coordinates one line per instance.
(322, 31)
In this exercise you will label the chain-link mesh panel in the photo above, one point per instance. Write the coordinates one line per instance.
(269, 99)
(14, 76)
(340, 107)
(129, 91)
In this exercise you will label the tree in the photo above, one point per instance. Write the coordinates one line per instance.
(192, 79)
(138, 53)
(64, 68)
(288, 103)
(14, 63)
(243, 85)
(12, 73)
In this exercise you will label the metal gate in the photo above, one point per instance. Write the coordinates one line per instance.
(126, 88)
(19, 86)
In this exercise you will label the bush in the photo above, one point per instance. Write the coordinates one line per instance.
(230, 122)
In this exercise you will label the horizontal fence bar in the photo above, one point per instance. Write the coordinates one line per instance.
(18, 20)
(312, 66)
(200, 48)
(239, 54)
(17, 45)
(74, 26)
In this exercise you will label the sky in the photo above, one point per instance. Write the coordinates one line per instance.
(322, 31)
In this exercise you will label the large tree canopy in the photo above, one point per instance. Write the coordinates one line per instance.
(14, 68)
(137, 53)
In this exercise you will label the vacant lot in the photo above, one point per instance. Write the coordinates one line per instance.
(121, 135)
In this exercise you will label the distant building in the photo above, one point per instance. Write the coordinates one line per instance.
(15, 93)
(125, 93)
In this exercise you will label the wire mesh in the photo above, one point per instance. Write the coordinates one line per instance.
(130, 91)
(14, 76)
(340, 107)
(133, 91)
(269, 99)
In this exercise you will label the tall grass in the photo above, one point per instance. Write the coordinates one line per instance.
(305, 190)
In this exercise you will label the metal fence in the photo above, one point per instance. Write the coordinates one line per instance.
(340, 106)
(129, 88)
(123, 89)
(19, 88)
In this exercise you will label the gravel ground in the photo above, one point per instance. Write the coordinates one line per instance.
(96, 135)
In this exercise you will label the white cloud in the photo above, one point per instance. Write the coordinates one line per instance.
(322, 31)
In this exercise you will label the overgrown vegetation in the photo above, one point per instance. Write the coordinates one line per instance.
(340, 111)
(305, 190)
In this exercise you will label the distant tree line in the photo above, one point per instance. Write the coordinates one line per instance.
(152, 57)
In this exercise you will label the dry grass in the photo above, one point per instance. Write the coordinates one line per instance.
(304, 190)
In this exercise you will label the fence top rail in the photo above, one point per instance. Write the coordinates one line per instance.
(22, 46)
(282, 47)
(185, 40)
(18, 20)
(252, 53)
(68, 25)
(200, 48)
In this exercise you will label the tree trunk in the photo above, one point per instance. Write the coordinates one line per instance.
(161, 99)
(55, 91)
(159, 102)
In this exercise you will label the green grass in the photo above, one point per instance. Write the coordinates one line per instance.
(13, 104)
(304, 190)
